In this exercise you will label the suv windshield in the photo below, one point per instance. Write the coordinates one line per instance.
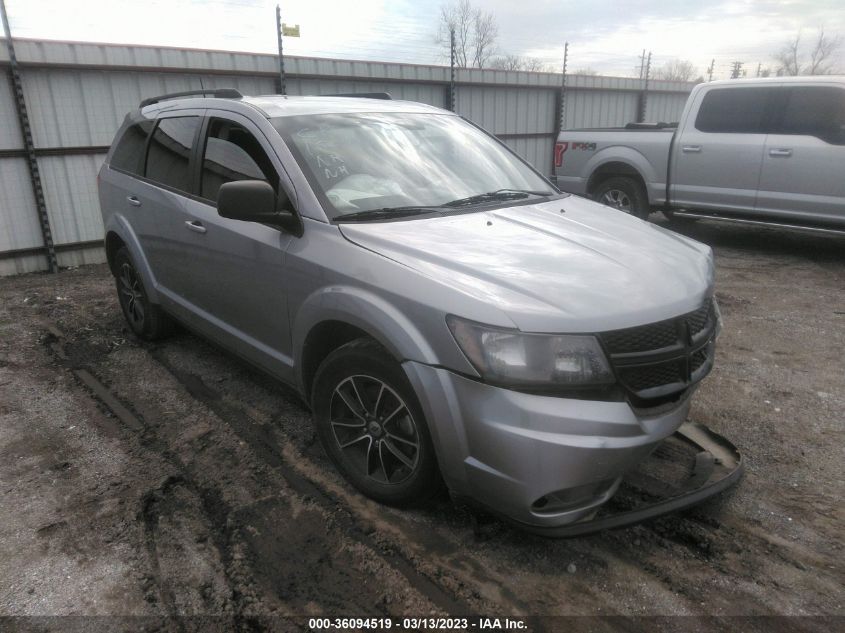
(393, 162)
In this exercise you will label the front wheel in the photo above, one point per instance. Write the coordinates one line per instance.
(147, 320)
(372, 427)
(625, 194)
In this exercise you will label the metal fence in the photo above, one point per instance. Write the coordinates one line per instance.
(78, 93)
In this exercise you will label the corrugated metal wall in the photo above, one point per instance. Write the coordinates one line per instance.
(77, 95)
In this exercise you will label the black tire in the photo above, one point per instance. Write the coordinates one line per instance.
(625, 194)
(356, 389)
(147, 320)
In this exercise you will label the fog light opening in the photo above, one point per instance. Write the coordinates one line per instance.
(571, 498)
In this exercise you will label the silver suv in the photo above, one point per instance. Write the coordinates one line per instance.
(449, 315)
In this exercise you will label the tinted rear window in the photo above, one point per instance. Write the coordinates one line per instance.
(168, 159)
(733, 110)
(128, 154)
(813, 111)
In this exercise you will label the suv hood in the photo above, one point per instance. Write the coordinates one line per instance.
(567, 265)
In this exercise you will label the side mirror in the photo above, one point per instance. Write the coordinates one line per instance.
(255, 201)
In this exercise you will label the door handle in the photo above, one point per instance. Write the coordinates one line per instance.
(784, 151)
(691, 149)
(133, 201)
(195, 226)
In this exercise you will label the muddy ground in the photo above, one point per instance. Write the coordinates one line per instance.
(212, 496)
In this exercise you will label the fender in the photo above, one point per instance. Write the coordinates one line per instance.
(634, 159)
(367, 311)
(120, 226)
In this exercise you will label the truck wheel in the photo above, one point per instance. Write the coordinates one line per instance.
(625, 194)
(147, 320)
(372, 426)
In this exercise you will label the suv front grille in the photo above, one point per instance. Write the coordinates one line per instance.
(663, 358)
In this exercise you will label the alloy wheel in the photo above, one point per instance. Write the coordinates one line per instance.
(374, 429)
(132, 295)
(617, 199)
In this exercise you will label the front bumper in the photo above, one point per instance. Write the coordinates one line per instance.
(545, 462)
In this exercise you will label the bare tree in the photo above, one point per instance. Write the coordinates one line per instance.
(676, 70)
(587, 71)
(475, 33)
(822, 56)
(787, 57)
(518, 62)
(506, 62)
(536, 65)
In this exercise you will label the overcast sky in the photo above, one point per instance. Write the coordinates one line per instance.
(605, 35)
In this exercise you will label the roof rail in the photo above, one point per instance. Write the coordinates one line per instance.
(221, 93)
(364, 95)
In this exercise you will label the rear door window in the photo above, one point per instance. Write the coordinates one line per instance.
(233, 153)
(128, 154)
(169, 156)
(813, 111)
(734, 110)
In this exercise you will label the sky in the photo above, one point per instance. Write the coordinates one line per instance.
(604, 35)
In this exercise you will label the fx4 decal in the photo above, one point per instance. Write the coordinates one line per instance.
(562, 146)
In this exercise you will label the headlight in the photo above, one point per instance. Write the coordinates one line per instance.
(516, 359)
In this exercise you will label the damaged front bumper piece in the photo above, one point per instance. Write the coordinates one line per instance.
(688, 468)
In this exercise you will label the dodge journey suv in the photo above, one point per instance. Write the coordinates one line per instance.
(449, 315)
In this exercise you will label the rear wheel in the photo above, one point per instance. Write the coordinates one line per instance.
(372, 427)
(147, 320)
(625, 194)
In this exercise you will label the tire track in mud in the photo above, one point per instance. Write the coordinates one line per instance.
(219, 516)
(152, 503)
(263, 441)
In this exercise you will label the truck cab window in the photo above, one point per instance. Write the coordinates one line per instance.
(814, 111)
(733, 110)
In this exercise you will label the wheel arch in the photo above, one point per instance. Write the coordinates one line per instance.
(613, 169)
(334, 316)
(119, 234)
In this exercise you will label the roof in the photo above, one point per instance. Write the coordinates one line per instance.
(277, 105)
(780, 80)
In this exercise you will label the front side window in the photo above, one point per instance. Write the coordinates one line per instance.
(734, 110)
(168, 159)
(814, 111)
(233, 153)
(361, 162)
(128, 154)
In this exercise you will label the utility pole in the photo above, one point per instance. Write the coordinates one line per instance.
(644, 93)
(736, 69)
(29, 145)
(759, 68)
(562, 117)
(642, 64)
(710, 70)
(452, 70)
(282, 87)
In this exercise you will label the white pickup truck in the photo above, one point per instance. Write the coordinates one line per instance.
(750, 150)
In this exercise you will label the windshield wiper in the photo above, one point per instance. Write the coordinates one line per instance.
(386, 213)
(499, 194)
